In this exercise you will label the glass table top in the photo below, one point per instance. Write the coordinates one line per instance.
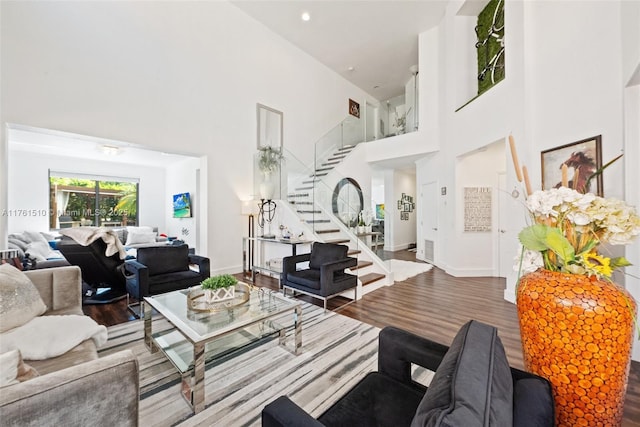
(199, 326)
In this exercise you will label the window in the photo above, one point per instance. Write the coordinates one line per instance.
(84, 200)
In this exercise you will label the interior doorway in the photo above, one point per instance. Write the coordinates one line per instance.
(371, 120)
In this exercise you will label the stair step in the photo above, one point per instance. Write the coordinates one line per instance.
(317, 175)
(336, 158)
(294, 202)
(310, 181)
(347, 148)
(304, 188)
(369, 278)
(308, 212)
(330, 163)
(354, 252)
(337, 241)
(298, 195)
(361, 264)
(328, 230)
(317, 221)
(324, 169)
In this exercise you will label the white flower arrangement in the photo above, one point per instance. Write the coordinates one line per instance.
(569, 226)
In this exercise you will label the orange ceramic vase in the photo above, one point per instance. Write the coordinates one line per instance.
(577, 332)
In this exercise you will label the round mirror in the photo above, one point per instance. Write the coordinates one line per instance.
(347, 201)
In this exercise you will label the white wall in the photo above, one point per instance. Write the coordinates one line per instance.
(175, 76)
(182, 178)
(557, 90)
(477, 169)
(630, 14)
(399, 234)
(29, 172)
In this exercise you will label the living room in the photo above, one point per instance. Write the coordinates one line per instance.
(170, 76)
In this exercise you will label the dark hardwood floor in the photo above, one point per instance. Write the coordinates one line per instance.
(432, 304)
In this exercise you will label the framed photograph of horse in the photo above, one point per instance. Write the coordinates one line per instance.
(583, 158)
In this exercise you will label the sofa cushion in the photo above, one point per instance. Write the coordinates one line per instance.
(532, 403)
(473, 384)
(322, 253)
(20, 299)
(377, 400)
(309, 278)
(164, 259)
(138, 236)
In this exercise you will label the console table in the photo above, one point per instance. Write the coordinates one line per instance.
(259, 265)
(374, 235)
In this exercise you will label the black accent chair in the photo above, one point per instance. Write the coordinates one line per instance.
(473, 385)
(159, 269)
(98, 270)
(325, 278)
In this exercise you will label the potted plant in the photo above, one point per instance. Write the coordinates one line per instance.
(219, 288)
(269, 159)
(576, 324)
(361, 224)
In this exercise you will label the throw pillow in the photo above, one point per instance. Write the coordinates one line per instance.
(473, 384)
(13, 369)
(138, 236)
(19, 298)
(40, 250)
(35, 236)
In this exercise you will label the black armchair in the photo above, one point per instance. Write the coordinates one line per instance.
(473, 385)
(325, 278)
(160, 269)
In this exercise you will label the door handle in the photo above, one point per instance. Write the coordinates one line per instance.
(503, 231)
(435, 229)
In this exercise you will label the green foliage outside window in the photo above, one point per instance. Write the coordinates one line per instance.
(91, 202)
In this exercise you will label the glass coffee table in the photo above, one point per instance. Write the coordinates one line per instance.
(202, 332)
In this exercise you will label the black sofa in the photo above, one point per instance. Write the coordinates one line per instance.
(160, 269)
(473, 385)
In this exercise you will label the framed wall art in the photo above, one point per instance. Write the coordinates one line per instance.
(583, 158)
(354, 108)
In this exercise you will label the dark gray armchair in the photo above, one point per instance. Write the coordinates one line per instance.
(160, 269)
(325, 278)
(473, 385)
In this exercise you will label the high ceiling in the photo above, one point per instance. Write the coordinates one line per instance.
(377, 39)
(55, 143)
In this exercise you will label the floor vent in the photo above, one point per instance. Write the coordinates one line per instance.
(428, 250)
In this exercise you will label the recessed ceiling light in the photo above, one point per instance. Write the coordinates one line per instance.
(305, 16)
(110, 150)
(350, 68)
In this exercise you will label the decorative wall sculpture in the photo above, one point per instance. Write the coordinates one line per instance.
(490, 45)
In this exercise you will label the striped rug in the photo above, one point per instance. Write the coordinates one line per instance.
(337, 352)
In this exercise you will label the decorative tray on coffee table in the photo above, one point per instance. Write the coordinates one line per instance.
(196, 300)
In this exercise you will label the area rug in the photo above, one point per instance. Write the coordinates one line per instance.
(402, 270)
(337, 352)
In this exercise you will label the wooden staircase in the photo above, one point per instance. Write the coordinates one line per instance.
(327, 229)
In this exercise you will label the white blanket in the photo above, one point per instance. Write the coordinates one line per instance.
(44, 337)
(87, 235)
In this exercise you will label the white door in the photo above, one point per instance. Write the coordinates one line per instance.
(505, 237)
(429, 216)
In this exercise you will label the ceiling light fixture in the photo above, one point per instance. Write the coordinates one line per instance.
(305, 16)
(110, 150)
